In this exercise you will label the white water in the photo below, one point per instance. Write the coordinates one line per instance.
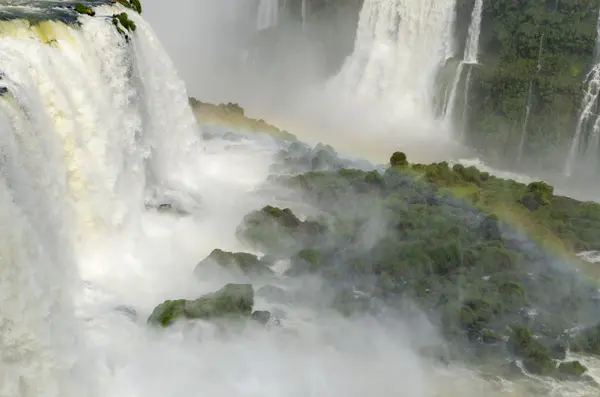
(589, 121)
(98, 125)
(469, 58)
(472, 46)
(268, 14)
(84, 128)
(400, 46)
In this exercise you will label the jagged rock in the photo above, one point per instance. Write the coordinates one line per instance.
(249, 264)
(572, 370)
(233, 300)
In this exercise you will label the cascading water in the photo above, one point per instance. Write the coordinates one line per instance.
(528, 102)
(304, 13)
(589, 119)
(469, 59)
(268, 14)
(88, 121)
(400, 46)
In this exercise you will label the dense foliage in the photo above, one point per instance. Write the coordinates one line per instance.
(542, 47)
(404, 234)
(442, 238)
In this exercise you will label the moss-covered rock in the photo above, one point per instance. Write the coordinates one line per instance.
(248, 264)
(84, 9)
(232, 301)
(572, 370)
(122, 21)
(277, 231)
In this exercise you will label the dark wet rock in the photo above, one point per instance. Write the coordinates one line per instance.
(84, 9)
(261, 316)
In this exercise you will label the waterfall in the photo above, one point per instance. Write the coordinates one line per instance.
(589, 120)
(304, 13)
(469, 58)
(528, 102)
(472, 47)
(88, 122)
(587, 117)
(400, 46)
(525, 122)
(268, 14)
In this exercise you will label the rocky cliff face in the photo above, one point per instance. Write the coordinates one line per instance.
(522, 102)
(532, 54)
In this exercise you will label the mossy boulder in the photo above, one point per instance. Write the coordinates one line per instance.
(536, 358)
(231, 301)
(587, 341)
(305, 261)
(572, 370)
(83, 9)
(278, 231)
(248, 264)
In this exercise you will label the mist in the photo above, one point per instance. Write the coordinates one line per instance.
(310, 349)
(114, 203)
(286, 75)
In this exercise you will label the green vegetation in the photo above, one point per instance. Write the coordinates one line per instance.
(132, 4)
(233, 115)
(232, 301)
(83, 9)
(454, 241)
(446, 243)
(546, 44)
(122, 21)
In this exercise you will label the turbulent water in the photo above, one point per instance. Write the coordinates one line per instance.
(400, 46)
(94, 127)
